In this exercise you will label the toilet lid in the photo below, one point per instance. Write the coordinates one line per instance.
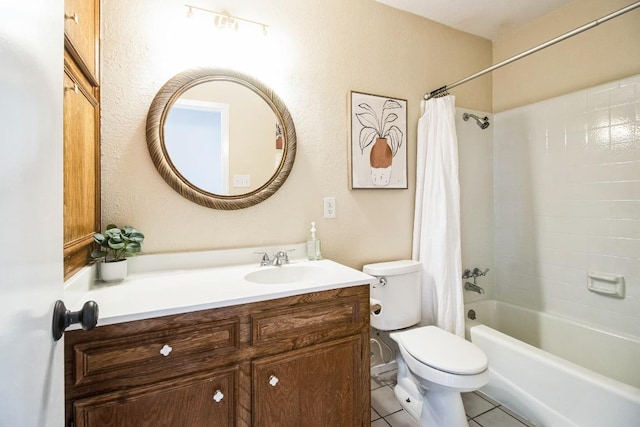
(444, 351)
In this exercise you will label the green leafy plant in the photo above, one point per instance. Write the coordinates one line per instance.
(117, 243)
(380, 127)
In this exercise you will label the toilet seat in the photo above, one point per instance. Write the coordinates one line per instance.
(443, 351)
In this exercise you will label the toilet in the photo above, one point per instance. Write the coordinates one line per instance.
(434, 366)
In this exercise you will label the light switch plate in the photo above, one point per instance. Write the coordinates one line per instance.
(241, 181)
(329, 207)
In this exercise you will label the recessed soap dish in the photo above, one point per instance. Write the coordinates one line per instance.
(606, 284)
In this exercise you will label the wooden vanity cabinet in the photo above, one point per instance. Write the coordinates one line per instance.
(296, 361)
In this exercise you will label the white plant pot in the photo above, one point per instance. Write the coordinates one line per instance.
(114, 271)
(381, 176)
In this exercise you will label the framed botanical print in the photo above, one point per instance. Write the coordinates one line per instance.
(378, 142)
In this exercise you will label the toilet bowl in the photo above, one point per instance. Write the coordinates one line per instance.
(434, 366)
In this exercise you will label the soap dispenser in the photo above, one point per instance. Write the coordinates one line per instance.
(313, 245)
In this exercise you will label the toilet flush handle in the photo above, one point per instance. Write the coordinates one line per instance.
(382, 281)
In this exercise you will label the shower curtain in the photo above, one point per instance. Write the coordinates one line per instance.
(436, 225)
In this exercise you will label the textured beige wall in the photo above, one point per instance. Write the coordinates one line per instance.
(316, 52)
(605, 53)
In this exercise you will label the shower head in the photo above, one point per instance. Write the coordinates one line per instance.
(482, 122)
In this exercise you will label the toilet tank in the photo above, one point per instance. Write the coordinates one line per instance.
(399, 290)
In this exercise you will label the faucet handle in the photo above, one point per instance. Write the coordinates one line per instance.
(466, 274)
(282, 256)
(265, 258)
(476, 272)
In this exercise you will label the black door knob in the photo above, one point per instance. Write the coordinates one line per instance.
(63, 318)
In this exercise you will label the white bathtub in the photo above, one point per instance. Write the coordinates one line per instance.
(554, 371)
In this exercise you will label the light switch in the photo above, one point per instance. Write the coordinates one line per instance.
(329, 207)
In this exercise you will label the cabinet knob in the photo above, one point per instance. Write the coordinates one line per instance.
(73, 17)
(218, 396)
(273, 380)
(166, 350)
(73, 88)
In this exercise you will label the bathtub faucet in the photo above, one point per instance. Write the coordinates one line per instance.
(473, 287)
(468, 274)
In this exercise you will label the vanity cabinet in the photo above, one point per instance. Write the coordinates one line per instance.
(298, 360)
(81, 123)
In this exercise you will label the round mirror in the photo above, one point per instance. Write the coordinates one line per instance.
(220, 138)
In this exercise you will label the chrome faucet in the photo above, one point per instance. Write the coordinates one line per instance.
(473, 287)
(280, 258)
(468, 274)
(265, 258)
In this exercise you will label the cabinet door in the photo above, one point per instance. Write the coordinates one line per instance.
(81, 25)
(81, 151)
(203, 400)
(315, 386)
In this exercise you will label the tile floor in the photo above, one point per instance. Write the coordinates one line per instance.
(481, 410)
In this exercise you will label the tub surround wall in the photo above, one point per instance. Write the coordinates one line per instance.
(475, 153)
(567, 202)
(315, 53)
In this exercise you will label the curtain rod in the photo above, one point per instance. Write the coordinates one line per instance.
(442, 90)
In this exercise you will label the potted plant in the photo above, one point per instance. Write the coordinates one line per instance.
(387, 137)
(116, 244)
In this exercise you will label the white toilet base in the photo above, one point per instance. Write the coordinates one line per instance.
(409, 403)
(433, 409)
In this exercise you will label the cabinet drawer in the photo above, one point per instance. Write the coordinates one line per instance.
(167, 350)
(303, 324)
(197, 400)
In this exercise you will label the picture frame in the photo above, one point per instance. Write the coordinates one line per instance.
(377, 142)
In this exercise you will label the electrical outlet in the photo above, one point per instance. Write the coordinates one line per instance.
(241, 181)
(329, 207)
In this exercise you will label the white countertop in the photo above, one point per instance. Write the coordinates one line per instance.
(161, 285)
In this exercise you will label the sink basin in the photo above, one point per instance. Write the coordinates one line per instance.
(286, 274)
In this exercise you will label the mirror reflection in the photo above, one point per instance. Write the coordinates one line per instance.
(223, 138)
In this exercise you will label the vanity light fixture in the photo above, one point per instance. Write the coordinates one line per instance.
(224, 21)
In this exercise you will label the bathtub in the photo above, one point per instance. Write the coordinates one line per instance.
(554, 371)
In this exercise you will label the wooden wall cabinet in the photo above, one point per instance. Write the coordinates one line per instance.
(81, 132)
(81, 35)
(295, 361)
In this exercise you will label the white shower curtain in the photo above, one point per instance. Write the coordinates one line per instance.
(436, 225)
